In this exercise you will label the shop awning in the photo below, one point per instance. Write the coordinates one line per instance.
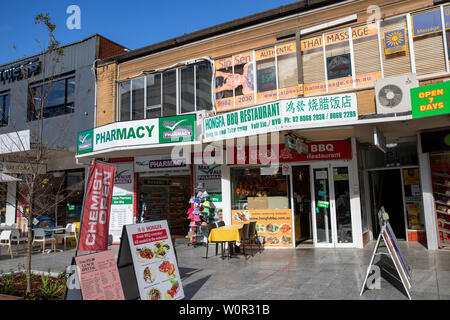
(6, 178)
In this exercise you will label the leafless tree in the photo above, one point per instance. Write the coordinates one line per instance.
(40, 192)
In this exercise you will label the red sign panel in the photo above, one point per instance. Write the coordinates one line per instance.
(320, 150)
(97, 207)
(152, 236)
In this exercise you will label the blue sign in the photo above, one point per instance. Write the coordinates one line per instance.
(426, 22)
(395, 41)
(447, 17)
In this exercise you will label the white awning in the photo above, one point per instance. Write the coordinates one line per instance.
(6, 178)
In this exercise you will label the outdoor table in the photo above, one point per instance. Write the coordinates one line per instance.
(230, 234)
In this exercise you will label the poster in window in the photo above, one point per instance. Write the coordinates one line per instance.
(339, 66)
(224, 83)
(243, 79)
(394, 41)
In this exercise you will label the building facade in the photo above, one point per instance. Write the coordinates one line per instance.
(308, 119)
(62, 92)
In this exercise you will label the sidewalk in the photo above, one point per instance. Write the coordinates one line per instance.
(284, 274)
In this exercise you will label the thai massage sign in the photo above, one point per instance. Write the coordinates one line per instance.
(292, 114)
(136, 133)
(432, 100)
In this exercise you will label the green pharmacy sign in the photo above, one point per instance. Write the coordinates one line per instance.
(177, 129)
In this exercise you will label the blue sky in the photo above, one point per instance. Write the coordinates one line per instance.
(134, 24)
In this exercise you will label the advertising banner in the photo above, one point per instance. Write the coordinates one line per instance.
(177, 129)
(159, 163)
(426, 22)
(94, 229)
(274, 225)
(138, 133)
(99, 276)
(154, 261)
(431, 100)
(319, 111)
(122, 209)
(286, 114)
(321, 150)
(211, 178)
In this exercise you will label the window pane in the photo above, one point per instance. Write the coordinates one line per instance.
(396, 57)
(366, 54)
(1, 110)
(266, 78)
(124, 93)
(34, 103)
(203, 83)
(170, 93)
(313, 66)
(287, 70)
(70, 90)
(338, 60)
(55, 93)
(154, 89)
(6, 110)
(428, 42)
(137, 98)
(153, 113)
(187, 89)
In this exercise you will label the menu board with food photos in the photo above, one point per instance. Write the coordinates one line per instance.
(153, 259)
(273, 226)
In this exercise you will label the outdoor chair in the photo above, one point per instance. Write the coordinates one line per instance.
(206, 230)
(5, 240)
(69, 233)
(244, 237)
(253, 236)
(39, 236)
(15, 237)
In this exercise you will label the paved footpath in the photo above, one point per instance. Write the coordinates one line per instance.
(284, 274)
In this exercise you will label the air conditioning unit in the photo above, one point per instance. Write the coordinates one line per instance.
(393, 94)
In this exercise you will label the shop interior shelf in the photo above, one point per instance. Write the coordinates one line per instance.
(440, 174)
(443, 203)
(441, 184)
(443, 212)
(442, 194)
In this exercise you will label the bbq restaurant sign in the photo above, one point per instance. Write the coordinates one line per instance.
(311, 112)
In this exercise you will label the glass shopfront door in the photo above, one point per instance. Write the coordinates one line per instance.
(331, 212)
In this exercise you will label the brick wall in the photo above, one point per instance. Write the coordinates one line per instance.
(106, 94)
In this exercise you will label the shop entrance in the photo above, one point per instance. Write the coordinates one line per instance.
(399, 191)
(302, 203)
(321, 197)
(165, 198)
(331, 212)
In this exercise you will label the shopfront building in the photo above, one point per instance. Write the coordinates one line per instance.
(333, 80)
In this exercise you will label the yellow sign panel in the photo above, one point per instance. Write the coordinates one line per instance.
(275, 225)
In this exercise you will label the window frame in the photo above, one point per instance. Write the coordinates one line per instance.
(33, 115)
(160, 106)
(4, 121)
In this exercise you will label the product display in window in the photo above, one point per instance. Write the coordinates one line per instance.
(440, 171)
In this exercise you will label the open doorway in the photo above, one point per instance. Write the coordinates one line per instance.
(387, 192)
(302, 203)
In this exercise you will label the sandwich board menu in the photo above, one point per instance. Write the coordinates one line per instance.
(147, 256)
(394, 252)
(99, 277)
